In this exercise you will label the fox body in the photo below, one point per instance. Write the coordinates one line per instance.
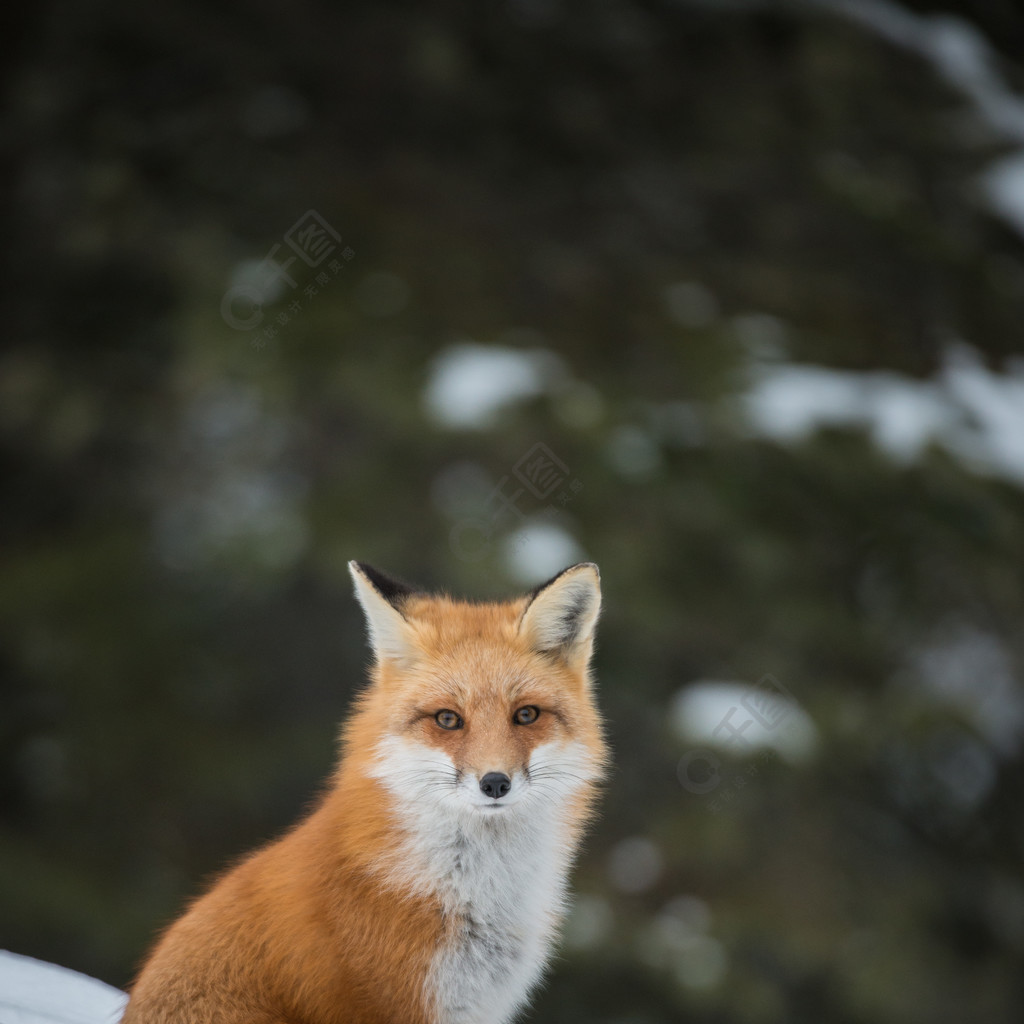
(428, 885)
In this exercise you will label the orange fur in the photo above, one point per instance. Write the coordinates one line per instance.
(327, 925)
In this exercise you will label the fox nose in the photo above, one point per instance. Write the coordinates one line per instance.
(495, 785)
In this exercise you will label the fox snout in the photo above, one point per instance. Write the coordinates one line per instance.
(495, 785)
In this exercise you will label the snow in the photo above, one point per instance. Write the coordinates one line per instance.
(34, 992)
(743, 718)
(955, 48)
(1003, 185)
(470, 384)
(789, 402)
(539, 550)
(972, 671)
(960, 53)
(975, 414)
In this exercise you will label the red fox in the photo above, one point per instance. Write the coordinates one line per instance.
(428, 885)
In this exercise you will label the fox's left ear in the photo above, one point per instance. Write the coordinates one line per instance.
(382, 598)
(562, 614)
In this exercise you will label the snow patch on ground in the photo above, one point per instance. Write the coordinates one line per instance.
(34, 992)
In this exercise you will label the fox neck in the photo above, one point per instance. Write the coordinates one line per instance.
(503, 862)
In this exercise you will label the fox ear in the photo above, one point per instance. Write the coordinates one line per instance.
(562, 613)
(382, 598)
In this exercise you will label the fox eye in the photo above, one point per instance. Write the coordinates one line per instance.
(448, 719)
(527, 715)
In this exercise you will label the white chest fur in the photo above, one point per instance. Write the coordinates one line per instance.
(503, 887)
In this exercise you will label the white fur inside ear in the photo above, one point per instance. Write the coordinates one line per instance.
(562, 616)
(389, 631)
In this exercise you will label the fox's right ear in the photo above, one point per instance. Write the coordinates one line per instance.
(382, 598)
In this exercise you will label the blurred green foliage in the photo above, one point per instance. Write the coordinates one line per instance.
(671, 198)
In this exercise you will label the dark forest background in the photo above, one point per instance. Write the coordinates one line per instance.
(726, 297)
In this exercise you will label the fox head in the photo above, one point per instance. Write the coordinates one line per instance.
(481, 711)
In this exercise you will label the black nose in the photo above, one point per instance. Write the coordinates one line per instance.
(495, 785)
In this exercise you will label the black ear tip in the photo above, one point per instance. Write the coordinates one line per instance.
(558, 575)
(390, 588)
(365, 570)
